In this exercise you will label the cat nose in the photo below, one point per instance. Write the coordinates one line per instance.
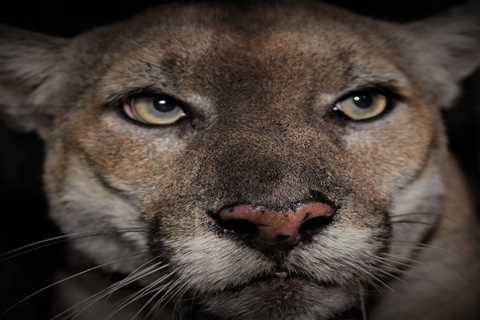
(276, 226)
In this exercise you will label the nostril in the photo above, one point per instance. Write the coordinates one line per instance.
(315, 224)
(283, 238)
(238, 226)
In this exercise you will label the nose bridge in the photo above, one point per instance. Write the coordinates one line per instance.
(256, 142)
(265, 133)
(258, 123)
(251, 166)
(256, 153)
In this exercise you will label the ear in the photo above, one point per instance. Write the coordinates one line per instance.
(30, 74)
(444, 50)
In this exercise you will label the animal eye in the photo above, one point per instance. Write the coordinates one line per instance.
(362, 105)
(159, 110)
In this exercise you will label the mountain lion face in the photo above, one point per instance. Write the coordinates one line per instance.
(262, 158)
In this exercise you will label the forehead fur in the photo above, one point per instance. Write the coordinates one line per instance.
(185, 46)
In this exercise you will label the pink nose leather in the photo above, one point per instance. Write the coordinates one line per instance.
(274, 226)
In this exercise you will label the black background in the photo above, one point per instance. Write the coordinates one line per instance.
(22, 205)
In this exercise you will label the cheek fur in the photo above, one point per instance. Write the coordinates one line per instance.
(112, 227)
(388, 154)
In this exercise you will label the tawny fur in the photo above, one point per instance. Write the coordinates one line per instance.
(262, 80)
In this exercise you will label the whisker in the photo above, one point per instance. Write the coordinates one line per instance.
(134, 276)
(145, 305)
(167, 297)
(8, 255)
(363, 269)
(173, 288)
(419, 213)
(406, 263)
(415, 244)
(180, 298)
(156, 267)
(397, 258)
(363, 304)
(157, 293)
(412, 222)
(76, 275)
(390, 272)
(140, 294)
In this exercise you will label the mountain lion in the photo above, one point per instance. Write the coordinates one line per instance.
(253, 161)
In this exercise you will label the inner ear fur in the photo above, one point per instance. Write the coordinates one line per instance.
(444, 50)
(30, 65)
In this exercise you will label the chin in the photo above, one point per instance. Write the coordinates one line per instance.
(281, 299)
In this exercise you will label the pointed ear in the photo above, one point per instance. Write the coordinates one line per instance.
(444, 50)
(30, 73)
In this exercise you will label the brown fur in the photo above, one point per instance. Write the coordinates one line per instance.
(261, 81)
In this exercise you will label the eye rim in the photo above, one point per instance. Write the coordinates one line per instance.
(391, 95)
(127, 100)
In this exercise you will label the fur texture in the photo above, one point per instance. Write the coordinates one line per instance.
(261, 81)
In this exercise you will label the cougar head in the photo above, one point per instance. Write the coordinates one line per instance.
(260, 154)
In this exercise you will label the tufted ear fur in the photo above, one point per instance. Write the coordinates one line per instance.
(29, 76)
(444, 50)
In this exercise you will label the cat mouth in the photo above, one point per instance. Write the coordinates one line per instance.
(275, 289)
(280, 280)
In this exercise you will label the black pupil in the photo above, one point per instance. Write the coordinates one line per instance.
(162, 104)
(363, 101)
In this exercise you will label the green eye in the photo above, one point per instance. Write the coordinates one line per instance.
(157, 110)
(362, 106)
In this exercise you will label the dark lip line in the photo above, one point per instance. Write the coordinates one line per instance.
(279, 276)
(193, 312)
